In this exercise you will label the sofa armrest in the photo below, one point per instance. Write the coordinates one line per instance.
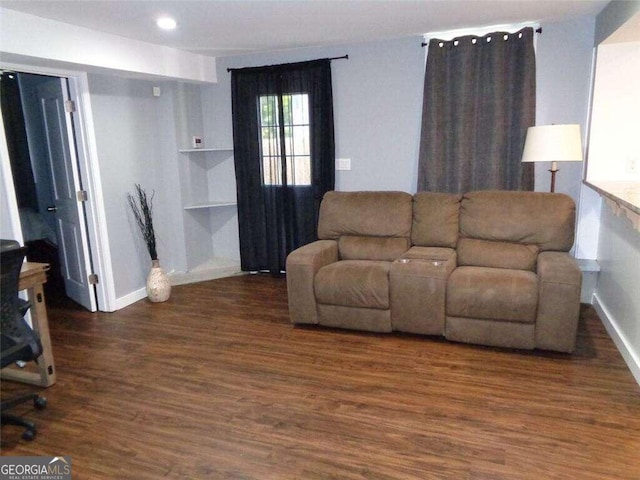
(559, 284)
(302, 266)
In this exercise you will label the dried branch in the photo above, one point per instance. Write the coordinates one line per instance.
(142, 208)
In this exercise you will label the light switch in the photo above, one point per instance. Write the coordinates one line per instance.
(343, 164)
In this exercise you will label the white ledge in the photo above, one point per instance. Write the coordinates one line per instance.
(622, 197)
(211, 204)
(198, 150)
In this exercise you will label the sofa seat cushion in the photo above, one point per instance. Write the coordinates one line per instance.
(487, 253)
(354, 283)
(492, 294)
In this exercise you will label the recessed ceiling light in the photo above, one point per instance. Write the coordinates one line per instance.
(166, 23)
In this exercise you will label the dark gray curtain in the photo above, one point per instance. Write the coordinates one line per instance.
(479, 100)
(278, 216)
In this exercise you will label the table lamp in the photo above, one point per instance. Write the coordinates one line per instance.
(553, 143)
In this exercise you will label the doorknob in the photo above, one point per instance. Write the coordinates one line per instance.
(52, 209)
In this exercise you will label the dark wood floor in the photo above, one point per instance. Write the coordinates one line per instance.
(216, 384)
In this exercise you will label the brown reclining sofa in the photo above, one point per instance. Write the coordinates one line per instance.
(486, 267)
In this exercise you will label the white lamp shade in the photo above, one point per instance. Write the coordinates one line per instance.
(553, 143)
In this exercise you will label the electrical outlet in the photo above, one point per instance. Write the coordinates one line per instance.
(632, 165)
(343, 164)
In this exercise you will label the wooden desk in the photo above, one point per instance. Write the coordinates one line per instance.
(32, 277)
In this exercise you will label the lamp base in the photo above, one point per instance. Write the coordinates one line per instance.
(554, 169)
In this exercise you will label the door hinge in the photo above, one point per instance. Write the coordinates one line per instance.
(69, 106)
(82, 195)
(93, 279)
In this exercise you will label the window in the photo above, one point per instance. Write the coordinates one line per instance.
(291, 122)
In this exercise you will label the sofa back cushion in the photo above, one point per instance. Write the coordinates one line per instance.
(435, 219)
(368, 214)
(486, 253)
(367, 225)
(546, 220)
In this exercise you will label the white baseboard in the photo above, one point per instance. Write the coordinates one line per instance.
(631, 357)
(130, 298)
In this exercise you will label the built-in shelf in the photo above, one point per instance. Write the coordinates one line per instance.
(210, 205)
(203, 150)
(209, 208)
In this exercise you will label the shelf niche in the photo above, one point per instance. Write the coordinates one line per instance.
(210, 218)
(210, 176)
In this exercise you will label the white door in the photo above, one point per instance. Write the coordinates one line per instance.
(73, 247)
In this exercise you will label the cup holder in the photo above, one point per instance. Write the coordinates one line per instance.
(430, 261)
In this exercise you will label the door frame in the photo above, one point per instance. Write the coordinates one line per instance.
(89, 172)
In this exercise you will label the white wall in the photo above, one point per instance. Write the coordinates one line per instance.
(135, 139)
(377, 96)
(617, 298)
(138, 137)
(564, 60)
(615, 124)
(378, 102)
(564, 56)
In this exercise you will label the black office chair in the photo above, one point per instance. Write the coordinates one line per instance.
(19, 341)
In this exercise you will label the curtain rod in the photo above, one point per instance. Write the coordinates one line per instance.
(343, 57)
(538, 30)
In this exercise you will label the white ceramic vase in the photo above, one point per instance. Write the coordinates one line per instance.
(158, 284)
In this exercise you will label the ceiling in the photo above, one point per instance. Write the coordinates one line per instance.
(226, 27)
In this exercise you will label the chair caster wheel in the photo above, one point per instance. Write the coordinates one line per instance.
(29, 435)
(40, 403)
